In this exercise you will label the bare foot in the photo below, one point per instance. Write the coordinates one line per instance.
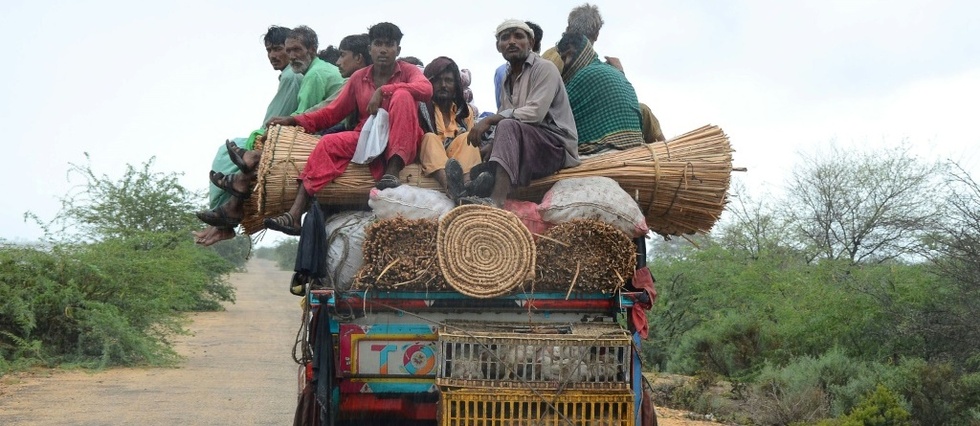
(212, 235)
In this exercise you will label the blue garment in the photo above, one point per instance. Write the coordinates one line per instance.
(498, 82)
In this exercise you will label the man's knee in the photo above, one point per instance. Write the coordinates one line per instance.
(402, 96)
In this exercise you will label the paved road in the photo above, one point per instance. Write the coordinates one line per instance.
(238, 371)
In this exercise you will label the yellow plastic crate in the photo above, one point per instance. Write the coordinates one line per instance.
(505, 407)
(593, 358)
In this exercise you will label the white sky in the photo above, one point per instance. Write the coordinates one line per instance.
(127, 80)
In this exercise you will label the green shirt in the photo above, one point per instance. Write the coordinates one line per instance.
(321, 81)
(285, 101)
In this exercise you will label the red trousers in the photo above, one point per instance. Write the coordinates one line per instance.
(332, 154)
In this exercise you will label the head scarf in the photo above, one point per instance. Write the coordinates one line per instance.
(513, 23)
(440, 65)
(579, 59)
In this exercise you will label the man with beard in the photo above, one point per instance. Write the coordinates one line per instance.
(446, 121)
(394, 85)
(535, 132)
(230, 182)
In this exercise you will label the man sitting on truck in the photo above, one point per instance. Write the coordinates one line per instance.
(319, 80)
(446, 120)
(586, 20)
(535, 132)
(284, 102)
(394, 85)
(607, 114)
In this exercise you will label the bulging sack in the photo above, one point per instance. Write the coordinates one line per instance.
(409, 202)
(596, 197)
(345, 238)
(373, 138)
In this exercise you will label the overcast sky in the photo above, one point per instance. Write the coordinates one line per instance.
(128, 80)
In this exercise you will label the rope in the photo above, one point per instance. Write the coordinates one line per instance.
(301, 341)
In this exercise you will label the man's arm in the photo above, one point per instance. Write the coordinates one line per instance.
(331, 114)
(416, 84)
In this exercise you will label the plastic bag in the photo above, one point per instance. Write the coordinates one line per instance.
(345, 238)
(409, 202)
(373, 138)
(594, 197)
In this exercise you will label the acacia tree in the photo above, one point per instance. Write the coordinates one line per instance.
(754, 227)
(863, 206)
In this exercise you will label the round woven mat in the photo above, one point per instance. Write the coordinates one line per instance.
(484, 251)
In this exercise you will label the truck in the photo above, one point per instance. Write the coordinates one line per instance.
(447, 358)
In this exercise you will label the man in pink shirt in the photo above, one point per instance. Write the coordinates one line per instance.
(394, 85)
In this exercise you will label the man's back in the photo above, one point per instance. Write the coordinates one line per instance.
(605, 107)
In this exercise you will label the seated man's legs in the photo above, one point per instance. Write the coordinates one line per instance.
(403, 135)
(433, 156)
(523, 152)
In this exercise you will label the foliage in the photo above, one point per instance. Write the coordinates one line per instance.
(871, 279)
(879, 408)
(863, 206)
(285, 253)
(236, 251)
(111, 283)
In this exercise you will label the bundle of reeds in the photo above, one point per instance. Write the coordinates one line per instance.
(584, 255)
(400, 254)
(680, 184)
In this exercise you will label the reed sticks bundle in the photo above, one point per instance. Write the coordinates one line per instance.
(584, 255)
(680, 185)
(400, 254)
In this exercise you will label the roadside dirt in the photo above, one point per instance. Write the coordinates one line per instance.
(238, 369)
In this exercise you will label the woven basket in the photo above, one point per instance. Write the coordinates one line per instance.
(483, 251)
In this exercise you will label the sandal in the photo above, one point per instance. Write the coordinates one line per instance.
(454, 179)
(388, 181)
(237, 156)
(482, 186)
(282, 223)
(226, 183)
(218, 217)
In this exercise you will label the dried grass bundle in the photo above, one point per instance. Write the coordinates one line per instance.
(584, 255)
(680, 185)
(400, 254)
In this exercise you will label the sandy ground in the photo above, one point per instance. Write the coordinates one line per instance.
(238, 369)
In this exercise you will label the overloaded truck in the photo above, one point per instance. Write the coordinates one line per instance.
(533, 314)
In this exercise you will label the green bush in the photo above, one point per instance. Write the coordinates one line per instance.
(285, 254)
(111, 282)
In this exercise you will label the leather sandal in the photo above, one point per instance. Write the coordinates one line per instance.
(218, 217)
(482, 186)
(227, 183)
(282, 223)
(237, 156)
(454, 179)
(388, 181)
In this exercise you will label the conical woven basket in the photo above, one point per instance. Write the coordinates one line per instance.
(484, 251)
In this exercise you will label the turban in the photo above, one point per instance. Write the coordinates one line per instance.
(438, 66)
(514, 23)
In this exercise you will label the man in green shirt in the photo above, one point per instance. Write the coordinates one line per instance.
(308, 81)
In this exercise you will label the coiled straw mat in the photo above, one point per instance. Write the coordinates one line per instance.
(484, 251)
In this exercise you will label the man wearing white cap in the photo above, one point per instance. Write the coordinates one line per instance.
(535, 131)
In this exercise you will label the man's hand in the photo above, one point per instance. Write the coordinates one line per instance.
(375, 103)
(281, 121)
(476, 133)
(614, 61)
